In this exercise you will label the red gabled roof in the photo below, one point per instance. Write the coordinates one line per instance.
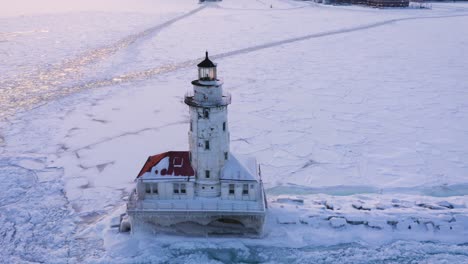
(179, 164)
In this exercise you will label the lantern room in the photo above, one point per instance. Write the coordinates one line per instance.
(207, 70)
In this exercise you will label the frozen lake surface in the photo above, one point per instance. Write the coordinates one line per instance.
(359, 117)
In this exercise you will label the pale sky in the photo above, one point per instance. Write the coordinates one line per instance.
(30, 7)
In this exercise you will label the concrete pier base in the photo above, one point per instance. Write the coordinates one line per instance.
(199, 223)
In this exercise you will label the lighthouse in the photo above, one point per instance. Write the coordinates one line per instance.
(208, 185)
(209, 131)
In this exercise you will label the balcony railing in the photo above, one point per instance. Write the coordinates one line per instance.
(196, 205)
(225, 99)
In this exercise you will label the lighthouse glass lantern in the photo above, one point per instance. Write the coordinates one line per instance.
(206, 70)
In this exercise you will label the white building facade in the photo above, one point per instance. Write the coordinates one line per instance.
(207, 185)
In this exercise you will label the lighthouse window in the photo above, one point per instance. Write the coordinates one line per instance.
(245, 189)
(207, 174)
(151, 188)
(224, 126)
(207, 145)
(180, 188)
(231, 188)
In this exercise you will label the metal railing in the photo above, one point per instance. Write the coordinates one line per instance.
(134, 204)
(224, 100)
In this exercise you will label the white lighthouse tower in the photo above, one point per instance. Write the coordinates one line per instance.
(209, 132)
(207, 185)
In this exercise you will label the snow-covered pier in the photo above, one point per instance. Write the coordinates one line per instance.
(364, 216)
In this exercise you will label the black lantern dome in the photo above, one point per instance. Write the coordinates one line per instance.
(206, 70)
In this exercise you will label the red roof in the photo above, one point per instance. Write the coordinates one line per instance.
(179, 164)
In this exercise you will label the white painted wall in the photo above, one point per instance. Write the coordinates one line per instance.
(207, 123)
(211, 94)
(208, 129)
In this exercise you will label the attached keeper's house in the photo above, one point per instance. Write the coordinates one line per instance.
(206, 187)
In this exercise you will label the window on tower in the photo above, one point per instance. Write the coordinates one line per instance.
(224, 126)
(225, 155)
(191, 128)
(207, 145)
(231, 188)
(206, 113)
(207, 174)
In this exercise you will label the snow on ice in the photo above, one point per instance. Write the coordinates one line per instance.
(357, 115)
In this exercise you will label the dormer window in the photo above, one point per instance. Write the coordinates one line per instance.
(178, 162)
